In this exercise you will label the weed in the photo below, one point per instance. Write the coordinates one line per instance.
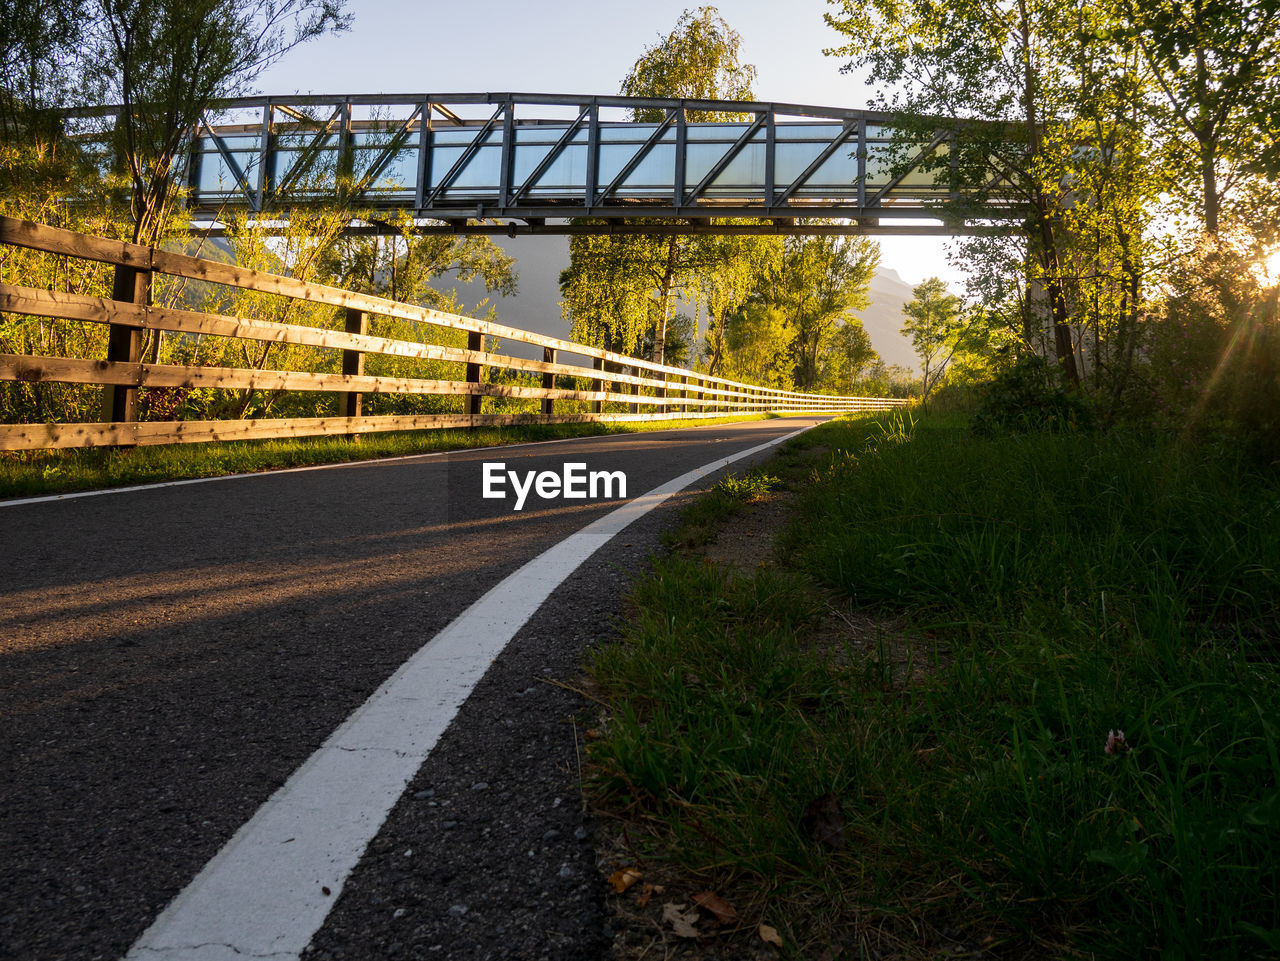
(725, 498)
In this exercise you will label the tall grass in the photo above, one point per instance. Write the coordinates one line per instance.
(1057, 588)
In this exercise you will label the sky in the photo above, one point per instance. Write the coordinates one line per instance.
(577, 47)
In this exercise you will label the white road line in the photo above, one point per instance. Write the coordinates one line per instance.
(76, 495)
(268, 891)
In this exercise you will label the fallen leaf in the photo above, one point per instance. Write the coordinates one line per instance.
(822, 821)
(770, 935)
(646, 892)
(682, 924)
(713, 904)
(623, 879)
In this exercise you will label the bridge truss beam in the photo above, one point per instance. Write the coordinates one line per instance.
(540, 163)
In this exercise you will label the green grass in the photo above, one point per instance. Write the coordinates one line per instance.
(26, 474)
(1052, 589)
(702, 519)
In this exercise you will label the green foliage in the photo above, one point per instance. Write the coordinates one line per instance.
(958, 344)
(740, 263)
(935, 326)
(1215, 354)
(698, 60)
(802, 308)
(887, 380)
(756, 345)
(1027, 397)
(678, 348)
(1065, 137)
(966, 740)
(618, 290)
(823, 279)
(752, 486)
(847, 358)
(727, 497)
(1217, 64)
(163, 62)
(166, 61)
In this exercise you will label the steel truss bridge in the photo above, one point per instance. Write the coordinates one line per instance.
(540, 163)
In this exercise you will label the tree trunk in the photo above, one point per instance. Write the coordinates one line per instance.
(713, 367)
(660, 330)
(1063, 347)
(1209, 174)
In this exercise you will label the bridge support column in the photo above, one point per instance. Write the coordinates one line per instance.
(357, 322)
(475, 341)
(548, 381)
(124, 344)
(597, 385)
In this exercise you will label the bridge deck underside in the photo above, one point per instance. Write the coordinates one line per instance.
(684, 168)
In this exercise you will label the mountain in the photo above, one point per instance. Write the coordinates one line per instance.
(883, 319)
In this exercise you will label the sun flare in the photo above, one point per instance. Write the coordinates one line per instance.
(1271, 267)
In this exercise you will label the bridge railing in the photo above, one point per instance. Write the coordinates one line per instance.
(644, 390)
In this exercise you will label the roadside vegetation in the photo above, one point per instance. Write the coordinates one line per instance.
(1012, 694)
(30, 473)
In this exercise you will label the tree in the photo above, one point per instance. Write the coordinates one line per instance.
(643, 274)
(1035, 73)
(164, 62)
(738, 263)
(821, 281)
(1217, 66)
(698, 60)
(39, 50)
(618, 290)
(757, 341)
(408, 266)
(848, 357)
(935, 324)
(41, 74)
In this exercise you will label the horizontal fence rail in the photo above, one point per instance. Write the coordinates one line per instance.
(648, 390)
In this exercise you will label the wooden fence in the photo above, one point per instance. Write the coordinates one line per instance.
(650, 391)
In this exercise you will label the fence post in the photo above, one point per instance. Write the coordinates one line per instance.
(684, 395)
(124, 344)
(353, 362)
(635, 392)
(548, 381)
(475, 341)
(597, 406)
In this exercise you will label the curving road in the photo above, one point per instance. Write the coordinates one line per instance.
(172, 655)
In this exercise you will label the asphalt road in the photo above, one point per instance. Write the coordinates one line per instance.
(171, 655)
